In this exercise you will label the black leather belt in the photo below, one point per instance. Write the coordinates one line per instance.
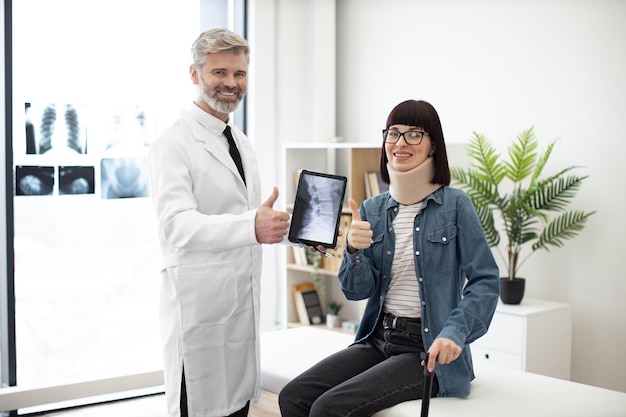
(406, 324)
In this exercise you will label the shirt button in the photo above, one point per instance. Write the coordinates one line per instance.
(425, 329)
(388, 252)
(444, 239)
(417, 229)
(420, 279)
(423, 303)
(395, 209)
(417, 253)
(390, 229)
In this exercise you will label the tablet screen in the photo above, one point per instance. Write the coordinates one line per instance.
(317, 209)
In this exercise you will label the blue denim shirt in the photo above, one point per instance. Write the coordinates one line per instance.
(458, 276)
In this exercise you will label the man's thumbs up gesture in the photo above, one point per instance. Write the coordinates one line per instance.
(270, 225)
(360, 233)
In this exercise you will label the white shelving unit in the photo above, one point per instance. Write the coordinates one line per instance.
(350, 160)
(534, 336)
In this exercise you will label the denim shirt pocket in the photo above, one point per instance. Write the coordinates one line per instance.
(442, 244)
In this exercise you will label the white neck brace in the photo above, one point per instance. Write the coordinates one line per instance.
(412, 186)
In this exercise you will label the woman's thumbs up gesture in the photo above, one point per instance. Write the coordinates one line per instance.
(360, 233)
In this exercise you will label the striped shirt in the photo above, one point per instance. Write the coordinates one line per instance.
(403, 297)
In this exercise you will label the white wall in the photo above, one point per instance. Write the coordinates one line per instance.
(261, 126)
(291, 99)
(490, 66)
(498, 67)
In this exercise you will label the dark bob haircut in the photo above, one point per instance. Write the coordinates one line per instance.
(420, 114)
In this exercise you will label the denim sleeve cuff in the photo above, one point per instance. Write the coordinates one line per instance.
(354, 258)
(454, 335)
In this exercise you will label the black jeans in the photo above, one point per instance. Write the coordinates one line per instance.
(183, 403)
(361, 380)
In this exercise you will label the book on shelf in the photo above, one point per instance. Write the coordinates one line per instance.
(299, 255)
(367, 185)
(308, 304)
(376, 184)
(382, 186)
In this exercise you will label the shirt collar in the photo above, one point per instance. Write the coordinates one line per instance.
(207, 120)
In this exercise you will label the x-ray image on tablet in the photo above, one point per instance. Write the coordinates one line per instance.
(317, 209)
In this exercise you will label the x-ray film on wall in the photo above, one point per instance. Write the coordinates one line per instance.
(55, 128)
(84, 149)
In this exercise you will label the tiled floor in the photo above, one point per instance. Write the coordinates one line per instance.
(154, 406)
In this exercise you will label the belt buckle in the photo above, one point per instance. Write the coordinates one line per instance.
(387, 325)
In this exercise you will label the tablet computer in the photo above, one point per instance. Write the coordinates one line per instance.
(317, 209)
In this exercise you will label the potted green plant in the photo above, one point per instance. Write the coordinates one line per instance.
(532, 210)
(332, 317)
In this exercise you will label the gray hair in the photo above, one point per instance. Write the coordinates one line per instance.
(217, 40)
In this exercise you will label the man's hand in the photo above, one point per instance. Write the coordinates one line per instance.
(360, 233)
(443, 351)
(270, 225)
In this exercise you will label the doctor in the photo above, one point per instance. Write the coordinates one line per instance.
(211, 225)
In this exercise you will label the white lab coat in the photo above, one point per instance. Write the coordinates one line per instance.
(211, 265)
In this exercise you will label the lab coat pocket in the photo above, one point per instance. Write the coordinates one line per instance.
(208, 293)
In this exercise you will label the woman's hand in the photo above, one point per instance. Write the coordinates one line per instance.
(360, 233)
(443, 351)
(322, 249)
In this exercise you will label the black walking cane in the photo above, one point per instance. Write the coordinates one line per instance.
(428, 385)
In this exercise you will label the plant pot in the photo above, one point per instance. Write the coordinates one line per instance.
(512, 290)
(332, 320)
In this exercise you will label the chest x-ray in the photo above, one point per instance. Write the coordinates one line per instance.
(55, 128)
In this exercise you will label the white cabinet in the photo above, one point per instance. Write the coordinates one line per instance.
(348, 159)
(534, 336)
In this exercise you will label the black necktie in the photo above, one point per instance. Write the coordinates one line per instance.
(234, 152)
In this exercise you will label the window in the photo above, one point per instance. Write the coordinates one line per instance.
(93, 82)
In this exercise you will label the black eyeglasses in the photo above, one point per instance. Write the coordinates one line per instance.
(411, 137)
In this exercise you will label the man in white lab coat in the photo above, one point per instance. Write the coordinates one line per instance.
(211, 225)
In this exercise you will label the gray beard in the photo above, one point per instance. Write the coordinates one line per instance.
(215, 104)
